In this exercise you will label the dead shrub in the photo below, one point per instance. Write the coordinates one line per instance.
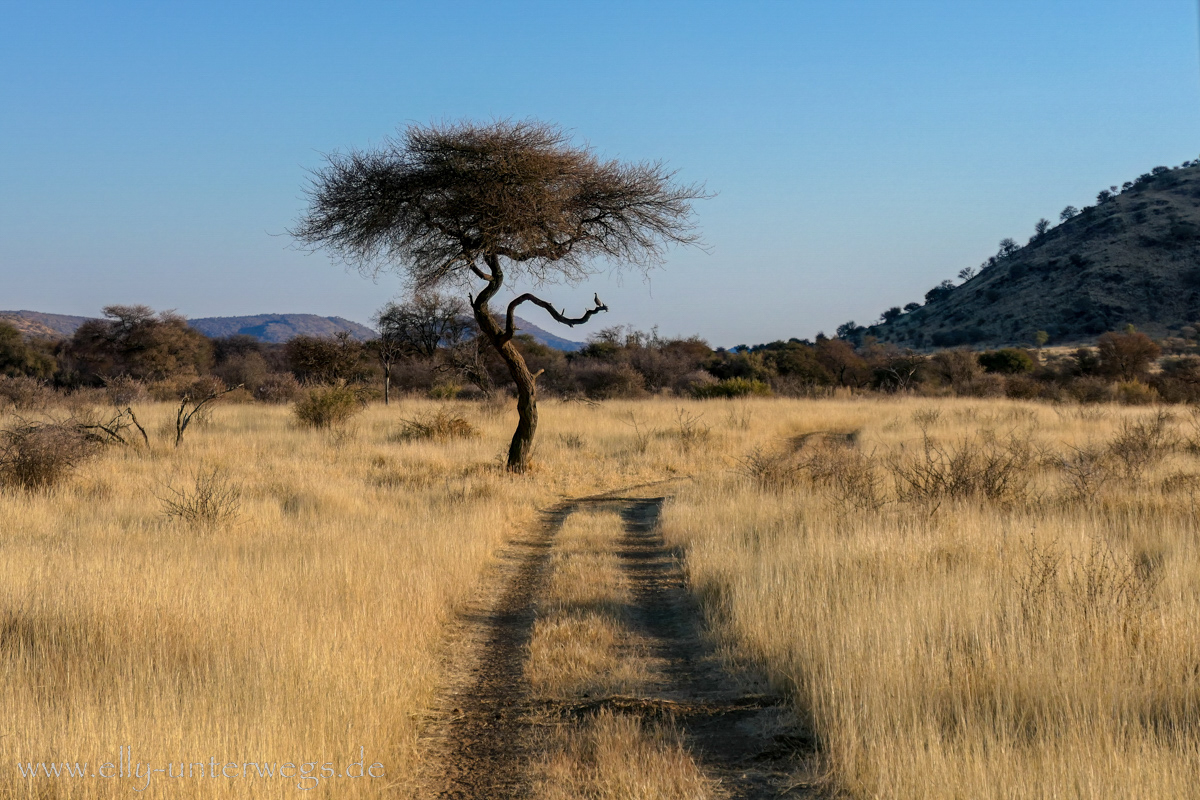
(328, 406)
(125, 391)
(738, 417)
(980, 466)
(278, 387)
(770, 471)
(1180, 483)
(1108, 588)
(38, 455)
(927, 417)
(212, 499)
(572, 441)
(1103, 583)
(1141, 444)
(22, 393)
(439, 426)
(690, 431)
(641, 433)
(849, 476)
(1085, 470)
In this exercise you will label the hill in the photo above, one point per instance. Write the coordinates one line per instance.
(1134, 258)
(279, 327)
(264, 327)
(49, 326)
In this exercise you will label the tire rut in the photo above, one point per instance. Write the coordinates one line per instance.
(745, 738)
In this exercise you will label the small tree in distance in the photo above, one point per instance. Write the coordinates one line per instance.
(418, 327)
(469, 205)
(1067, 213)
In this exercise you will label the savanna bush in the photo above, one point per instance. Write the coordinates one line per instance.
(602, 380)
(278, 387)
(1136, 393)
(327, 406)
(980, 466)
(440, 425)
(22, 393)
(212, 499)
(1008, 361)
(38, 455)
(732, 387)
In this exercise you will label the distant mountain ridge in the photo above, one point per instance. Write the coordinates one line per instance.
(1132, 259)
(279, 328)
(276, 328)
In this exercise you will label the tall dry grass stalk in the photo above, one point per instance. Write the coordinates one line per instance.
(974, 641)
(303, 628)
(1011, 638)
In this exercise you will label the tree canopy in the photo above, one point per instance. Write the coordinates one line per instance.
(468, 204)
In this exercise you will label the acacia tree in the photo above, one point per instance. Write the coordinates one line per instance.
(469, 205)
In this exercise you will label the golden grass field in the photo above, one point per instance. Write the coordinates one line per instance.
(1040, 642)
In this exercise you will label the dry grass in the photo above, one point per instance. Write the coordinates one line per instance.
(619, 757)
(312, 627)
(988, 644)
(581, 643)
(584, 647)
(1012, 639)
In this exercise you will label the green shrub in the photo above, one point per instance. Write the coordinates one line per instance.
(731, 387)
(1009, 361)
(1136, 393)
(327, 406)
(447, 390)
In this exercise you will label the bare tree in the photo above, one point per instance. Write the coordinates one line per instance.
(469, 204)
(388, 348)
(418, 328)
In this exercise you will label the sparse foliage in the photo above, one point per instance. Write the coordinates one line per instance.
(212, 499)
(468, 203)
(38, 455)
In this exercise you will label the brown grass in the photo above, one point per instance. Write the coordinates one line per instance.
(1040, 643)
(1015, 640)
(581, 643)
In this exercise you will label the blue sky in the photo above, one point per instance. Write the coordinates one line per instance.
(861, 151)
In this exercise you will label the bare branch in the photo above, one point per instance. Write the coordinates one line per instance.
(510, 322)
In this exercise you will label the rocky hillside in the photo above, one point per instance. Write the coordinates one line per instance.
(1133, 258)
(42, 326)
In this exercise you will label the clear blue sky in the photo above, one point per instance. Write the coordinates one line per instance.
(862, 151)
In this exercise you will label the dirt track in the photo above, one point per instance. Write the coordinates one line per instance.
(740, 736)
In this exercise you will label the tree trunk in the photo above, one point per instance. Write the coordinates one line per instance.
(387, 382)
(521, 447)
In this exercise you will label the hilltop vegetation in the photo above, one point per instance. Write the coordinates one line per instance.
(1133, 258)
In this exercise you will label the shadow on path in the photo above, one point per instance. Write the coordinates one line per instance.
(748, 740)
